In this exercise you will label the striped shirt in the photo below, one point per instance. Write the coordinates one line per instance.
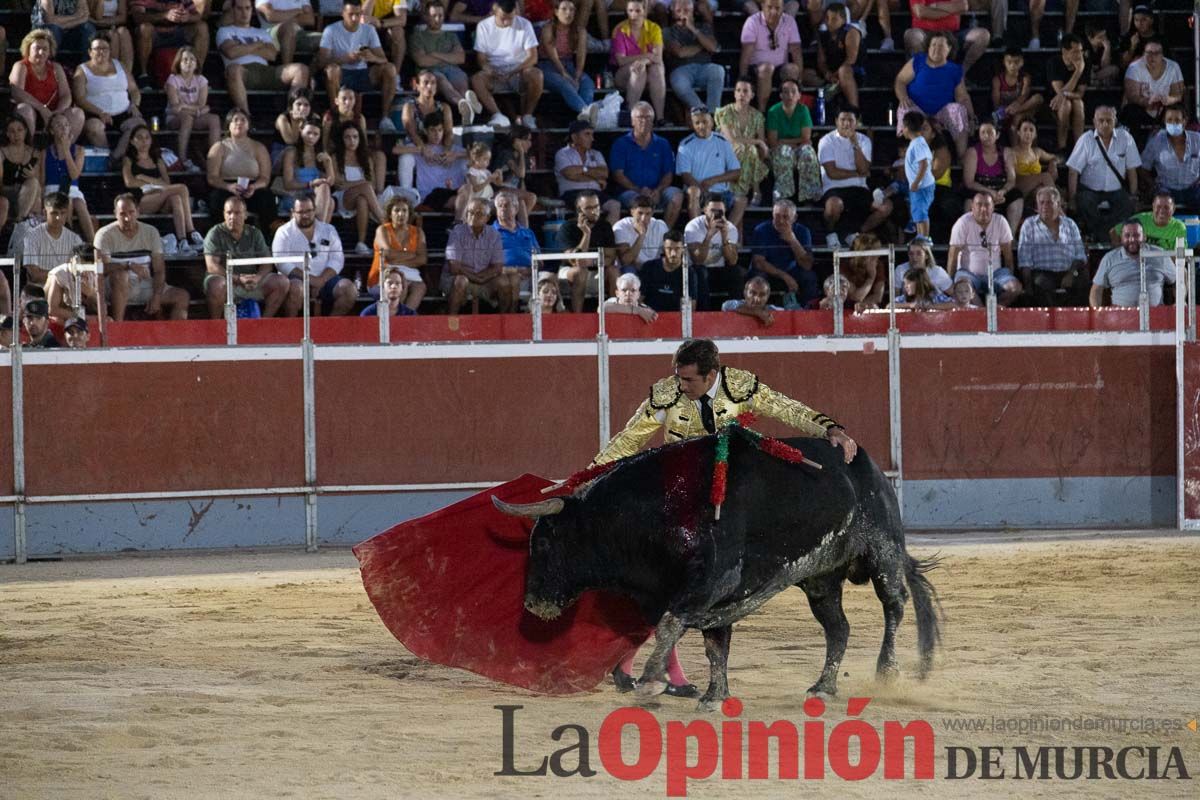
(1039, 248)
(1172, 174)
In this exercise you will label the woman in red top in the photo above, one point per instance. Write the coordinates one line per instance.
(39, 85)
(400, 244)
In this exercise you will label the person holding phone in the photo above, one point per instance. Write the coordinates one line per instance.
(712, 243)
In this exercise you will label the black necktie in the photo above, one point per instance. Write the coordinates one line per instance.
(706, 414)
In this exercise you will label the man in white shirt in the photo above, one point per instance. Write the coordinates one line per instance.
(1102, 182)
(291, 24)
(979, 240)
(49, 244)
(247, 53)
(352, 55)
(581, 168)
(639, 236)
(507, 49)
(132, 255)
(304, 233)
(845, 156)
(712, 244)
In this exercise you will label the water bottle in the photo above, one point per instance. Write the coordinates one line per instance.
(821, 106)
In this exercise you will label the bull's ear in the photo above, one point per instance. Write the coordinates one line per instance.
(545, 508)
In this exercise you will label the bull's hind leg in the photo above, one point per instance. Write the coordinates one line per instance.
(825, 599)
(654, 673)
(893, 593)
(716, 647)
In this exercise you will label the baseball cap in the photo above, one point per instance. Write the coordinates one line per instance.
(76, 322)
(37, 308)
(579, 125)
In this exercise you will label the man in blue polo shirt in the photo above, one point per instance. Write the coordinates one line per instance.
(706, 163)
(781, 252)
(642, 162)
(519, 243)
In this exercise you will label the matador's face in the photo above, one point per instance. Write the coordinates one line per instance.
(692, 383)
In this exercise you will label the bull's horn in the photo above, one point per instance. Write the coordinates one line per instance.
(545, 508)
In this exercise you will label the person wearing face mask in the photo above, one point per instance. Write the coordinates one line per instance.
(1173, 156)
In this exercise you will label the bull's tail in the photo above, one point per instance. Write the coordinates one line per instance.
(927, 608)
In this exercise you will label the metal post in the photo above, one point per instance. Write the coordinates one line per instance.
(600, 291)
(310, 420)
(1143, 295)
(839, 302)
(535, 302)
(891, 282)
(1183, 298)
(685, 302)
(992, 318)
(20, 546)
(383, 309)
(894, 409)
(230, 308)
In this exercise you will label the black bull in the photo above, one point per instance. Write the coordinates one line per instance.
(647, 529)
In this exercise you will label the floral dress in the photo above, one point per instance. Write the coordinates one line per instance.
(754, 169)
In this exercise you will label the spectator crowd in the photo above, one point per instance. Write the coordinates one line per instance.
(1021, 183)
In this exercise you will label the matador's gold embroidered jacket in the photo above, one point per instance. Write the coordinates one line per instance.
(739, 391)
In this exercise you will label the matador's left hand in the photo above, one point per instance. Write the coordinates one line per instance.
(839, 438)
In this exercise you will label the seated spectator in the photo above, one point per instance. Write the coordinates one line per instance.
(307, 168)
(37, 325)
(519, 243)
(690, 47)
(135, 271)
(563, 54)
(481, 182)
(1068, 75)
(345, 110)
(933, 17)
(706, 164)
(637, 55)
(919, 293)
(109, 97)
(745, 128)
(187, 104)
(413, 137)
(76, 332)
(1012, 90)
(639, 236)
(440, 168)
(1120, 270)
(71, 292)
(259, 283)
(289, 122)
(866, 276)
(475, 262)
(547, 296)
(991, 169)
(979, 242)
(239, 165)
(292, 25)
(6, 331)
(1172, 156)
(49, 244)
(1051, 255)
(947, 200)
(352, 56)
(1141, 28)
(68, 21)
(389, 18)
(507, 51)
(1105, 68)
(712, 243)
(400, 246)
(1037, 10)
(169, 23)
(146, 178)
(470, 12)
(754, 303)
(304, 233)
(579, 167)
(662, 278)
(770, 46)
(601, 9)
(963, 294)
(440, 52)
(356, 185)
(1034, 166)
(511, 156)
(1152, 84)
(21, 167)
(112, 17)
(1159, 224)
(834, 287)
(839, 45)
(39, 85)
(587, 233)
(248, 52)
(629, 299)
(642, 162)
(935, 85)
(920, 256)
(395, 289)
(782, 249)
(789, 136)
(1102, 182)
(845, 156)
(62, 164)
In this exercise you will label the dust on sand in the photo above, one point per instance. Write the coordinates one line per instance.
(269, 675)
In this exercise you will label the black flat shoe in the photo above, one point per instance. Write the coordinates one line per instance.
(684, 690)
(624, 681)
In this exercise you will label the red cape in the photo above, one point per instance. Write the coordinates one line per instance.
(451, 587)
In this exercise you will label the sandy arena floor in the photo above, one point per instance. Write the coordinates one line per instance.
(269, 675)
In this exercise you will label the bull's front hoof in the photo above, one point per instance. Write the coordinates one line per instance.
(648, 689)
(708, 705)
(887, 673)
(822, 691)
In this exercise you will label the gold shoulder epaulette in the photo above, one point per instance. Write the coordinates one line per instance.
(664, 393)
(738, 384)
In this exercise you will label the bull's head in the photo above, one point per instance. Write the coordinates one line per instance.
(547, 591)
